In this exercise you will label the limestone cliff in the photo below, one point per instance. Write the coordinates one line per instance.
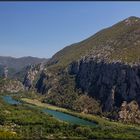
(9, 85)
(111, 83)
(31, 74)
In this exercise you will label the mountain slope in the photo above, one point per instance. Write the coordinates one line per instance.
(118, 42)
(105, 66)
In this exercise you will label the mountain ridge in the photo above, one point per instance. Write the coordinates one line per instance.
(118, 32)
(15, 65)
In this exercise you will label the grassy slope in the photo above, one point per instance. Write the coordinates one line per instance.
(105, 129)
(124, 49)
(25, 121)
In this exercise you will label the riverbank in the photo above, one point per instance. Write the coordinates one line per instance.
(44, 105)
(61, 114)
(104, 129)
(96, 119)
(28, 122)
(60, 109)
(28, 116)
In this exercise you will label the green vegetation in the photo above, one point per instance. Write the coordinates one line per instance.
(44, 105)
(64, 94)
(15, 65)
(27, 121)
(86, 104)
(104, 129)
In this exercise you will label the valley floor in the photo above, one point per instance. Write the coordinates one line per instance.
(104, 128)
(40, 104)
(27, 121)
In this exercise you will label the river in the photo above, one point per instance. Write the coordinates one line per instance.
(56, 114)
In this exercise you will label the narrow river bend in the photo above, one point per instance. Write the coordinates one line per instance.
(56, 114)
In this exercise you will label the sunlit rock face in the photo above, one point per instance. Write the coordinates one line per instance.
(29, 77)
(31, 74)
(5, 72)
(129, 112)
(10, 85)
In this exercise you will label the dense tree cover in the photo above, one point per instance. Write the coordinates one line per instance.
(65, 95)
(86, 104)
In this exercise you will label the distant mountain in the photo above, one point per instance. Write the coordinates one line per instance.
(17, 64)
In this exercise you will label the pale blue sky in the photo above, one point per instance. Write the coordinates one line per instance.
(43, 28)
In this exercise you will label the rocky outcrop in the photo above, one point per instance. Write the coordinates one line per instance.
(29, 77)
(31, 74)
(111, 83)
(5, 72)
(129, 112)
(12, 86)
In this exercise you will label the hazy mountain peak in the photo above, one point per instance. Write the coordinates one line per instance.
(17, 64)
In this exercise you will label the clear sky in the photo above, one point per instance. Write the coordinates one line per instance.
(42, 28)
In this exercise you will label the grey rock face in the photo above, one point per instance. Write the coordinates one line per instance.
(111, 83)
(5, 73)
(40, 86)
(32, 71)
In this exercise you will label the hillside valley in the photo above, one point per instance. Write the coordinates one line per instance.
(97, 79)
(103, 69)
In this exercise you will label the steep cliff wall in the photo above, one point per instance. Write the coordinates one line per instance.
(31, 74)
(111, 83)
